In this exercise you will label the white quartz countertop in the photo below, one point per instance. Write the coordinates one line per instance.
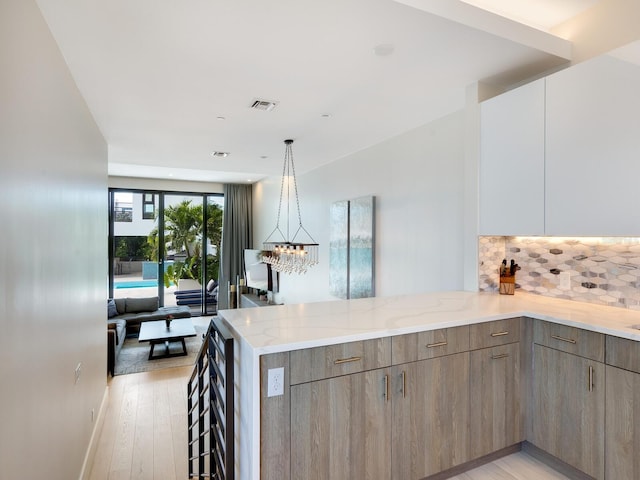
(284, 328)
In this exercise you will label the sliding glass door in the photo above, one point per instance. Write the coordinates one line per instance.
(159, 246)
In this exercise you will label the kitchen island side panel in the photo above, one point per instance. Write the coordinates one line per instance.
(247, 409)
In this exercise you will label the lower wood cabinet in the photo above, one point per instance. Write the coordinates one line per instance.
(340, 428)
(430, 416)
(568, 409)
(622, 442)
(405, 417)
(495, 420)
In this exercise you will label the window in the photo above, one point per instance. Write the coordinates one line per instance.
(123, 207)
(148, 206)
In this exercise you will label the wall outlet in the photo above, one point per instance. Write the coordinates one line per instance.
(565, 281)
(78, 371)
(275, 382)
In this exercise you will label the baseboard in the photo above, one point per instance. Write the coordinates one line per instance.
(95, 437)
(554, 462)
(478, 462)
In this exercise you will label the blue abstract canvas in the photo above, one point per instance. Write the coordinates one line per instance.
(351, 248)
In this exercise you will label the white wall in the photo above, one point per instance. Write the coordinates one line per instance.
(418, 180)
(53, 268)
(166, 185)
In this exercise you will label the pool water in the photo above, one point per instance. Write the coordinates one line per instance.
(136, 284)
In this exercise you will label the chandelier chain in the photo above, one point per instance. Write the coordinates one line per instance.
(289, 255)
(295, 183)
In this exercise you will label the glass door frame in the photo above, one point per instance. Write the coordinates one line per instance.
(205, 197)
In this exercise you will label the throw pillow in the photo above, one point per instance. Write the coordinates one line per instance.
(112, 311)
(120, 305)
(211, 285)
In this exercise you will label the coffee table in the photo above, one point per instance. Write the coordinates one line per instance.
(157, 333)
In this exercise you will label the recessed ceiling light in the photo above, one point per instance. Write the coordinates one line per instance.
(325, 115)
(384, 49)
(220, 154)
(263, 157)
(221, 118)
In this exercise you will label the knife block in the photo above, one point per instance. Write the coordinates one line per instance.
(507, 284)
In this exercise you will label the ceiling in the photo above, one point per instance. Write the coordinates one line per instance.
(169, 82)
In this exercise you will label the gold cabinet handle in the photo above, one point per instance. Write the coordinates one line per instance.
(590, 378)
(501, 355)
(386, 388)
(562, 339)
(347, 360)
(439, 344)
(404, 384)
(499, 334)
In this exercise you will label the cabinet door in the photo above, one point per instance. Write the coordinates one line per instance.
(512, 162)
(622, 424)
(495, 419)
(592, 149)
(341, 427)
(430, 416)
(568, 408)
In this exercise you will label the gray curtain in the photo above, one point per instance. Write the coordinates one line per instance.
(237, 234)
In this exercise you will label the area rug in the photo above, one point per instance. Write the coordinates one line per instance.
(134, 356)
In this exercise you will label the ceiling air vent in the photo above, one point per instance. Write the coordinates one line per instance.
(265, 105)
(219, 154)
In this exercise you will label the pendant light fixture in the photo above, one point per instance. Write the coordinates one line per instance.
(289, 255)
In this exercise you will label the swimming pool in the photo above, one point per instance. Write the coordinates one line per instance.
(136, 284)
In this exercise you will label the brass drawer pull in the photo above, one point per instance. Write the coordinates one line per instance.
(562, 339)
(501, 355)
(386, 388)
(404, 384)
(439, 344)
(499, 334)
(347, 360)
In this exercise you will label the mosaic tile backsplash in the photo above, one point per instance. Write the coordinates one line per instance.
(605, 271)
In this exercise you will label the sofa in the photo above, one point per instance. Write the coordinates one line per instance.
(125, 316)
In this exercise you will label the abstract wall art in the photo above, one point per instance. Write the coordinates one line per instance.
(352, 248)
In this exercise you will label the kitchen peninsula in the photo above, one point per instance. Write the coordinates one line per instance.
(348, 363)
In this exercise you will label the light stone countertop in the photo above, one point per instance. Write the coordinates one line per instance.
(284, 328)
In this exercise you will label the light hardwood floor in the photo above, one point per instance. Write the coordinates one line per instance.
(145, 428)
(145, 434)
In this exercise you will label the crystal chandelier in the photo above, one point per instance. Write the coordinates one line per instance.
(289, 255)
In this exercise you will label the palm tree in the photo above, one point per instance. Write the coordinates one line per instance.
(183, 226)
(183, 233)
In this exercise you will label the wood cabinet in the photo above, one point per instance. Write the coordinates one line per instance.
(622, 435)
(411, 406)
(340, 428)
(570, 339)
(430, 416)
(430, 344)
(512, 162)
(495, 419)
(341, 359)
(622, 431)
(568, 408)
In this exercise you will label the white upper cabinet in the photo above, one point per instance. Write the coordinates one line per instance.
(592, 177)
(512, 162)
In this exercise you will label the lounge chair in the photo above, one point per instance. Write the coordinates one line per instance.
(194, 297)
